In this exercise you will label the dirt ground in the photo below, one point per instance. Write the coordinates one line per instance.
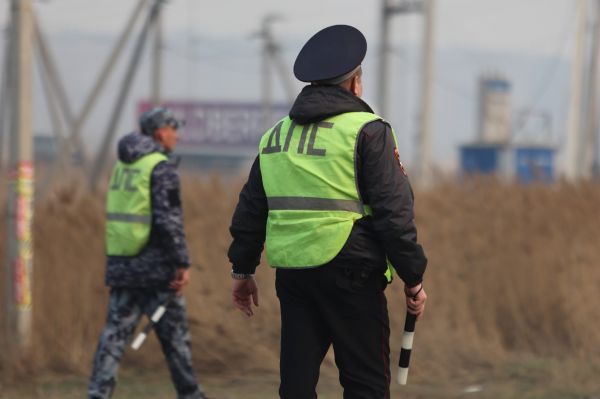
(523, 378)
(512, 312)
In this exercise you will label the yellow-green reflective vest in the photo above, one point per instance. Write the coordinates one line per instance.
(129, 207)
(309, 176)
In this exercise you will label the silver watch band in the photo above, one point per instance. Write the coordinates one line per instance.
(240, 276)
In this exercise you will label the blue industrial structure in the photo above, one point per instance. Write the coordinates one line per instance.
(534, 164)
(480, 158)
(525, 163)
(493, 152)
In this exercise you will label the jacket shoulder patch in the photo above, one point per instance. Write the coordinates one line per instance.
(397, 155)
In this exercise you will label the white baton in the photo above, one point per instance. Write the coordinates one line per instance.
(141, 337)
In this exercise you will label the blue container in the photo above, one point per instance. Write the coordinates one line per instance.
(480, 159)
(534, 164)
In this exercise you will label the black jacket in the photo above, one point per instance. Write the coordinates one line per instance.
(382, 183)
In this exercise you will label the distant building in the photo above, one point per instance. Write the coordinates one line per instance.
(494, 116)
(495, 152)
(523, 163)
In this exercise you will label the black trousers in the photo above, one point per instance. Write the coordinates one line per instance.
(330, 305)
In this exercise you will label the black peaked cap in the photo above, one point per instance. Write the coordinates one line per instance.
(330, 53)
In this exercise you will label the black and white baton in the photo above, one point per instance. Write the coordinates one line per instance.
(405, 350)
(158, 313)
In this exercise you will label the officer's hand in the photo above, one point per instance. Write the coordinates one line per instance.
(242, 291)
(182, 277)
(415, 300)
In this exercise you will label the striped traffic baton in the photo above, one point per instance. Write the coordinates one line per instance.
(405, 350)
(158, 313)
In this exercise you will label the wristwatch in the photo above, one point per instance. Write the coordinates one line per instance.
(240, 276)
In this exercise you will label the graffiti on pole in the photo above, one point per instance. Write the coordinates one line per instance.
(21, 255)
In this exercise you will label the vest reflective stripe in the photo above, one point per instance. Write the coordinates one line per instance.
(309, 176)
(129, 207)
(315, 204)
(128, 218)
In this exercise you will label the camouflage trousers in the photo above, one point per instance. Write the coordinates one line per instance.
(125, 309)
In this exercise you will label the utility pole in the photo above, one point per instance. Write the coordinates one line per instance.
(99, 164)
(4, 92)
(100, 83)
(424, 166)
(156, 76)
(57, 95)
(583, 157)
(271, 55)
(19, 266)
(592, 139)
(388, 10)
(267, 87)
(50, 85)
(589, 97)
(589, 131)
(384, 57)
(574, 139)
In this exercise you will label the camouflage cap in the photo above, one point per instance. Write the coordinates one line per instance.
(156, 118)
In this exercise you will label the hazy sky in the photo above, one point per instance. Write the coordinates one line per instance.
(209, 54)
(531, 26)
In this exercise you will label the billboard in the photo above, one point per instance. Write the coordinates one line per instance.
(223, 127)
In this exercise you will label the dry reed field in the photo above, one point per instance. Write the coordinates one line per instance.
(513, 284)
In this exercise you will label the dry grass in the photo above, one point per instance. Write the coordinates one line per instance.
(513, 276)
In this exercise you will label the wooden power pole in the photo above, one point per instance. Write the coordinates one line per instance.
(272, 62)
(19, 265)
(424, 136)
(425, 161)
(574, 139)
(99, 164)
(156, 75)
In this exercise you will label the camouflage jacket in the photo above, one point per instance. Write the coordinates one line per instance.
(166, 249)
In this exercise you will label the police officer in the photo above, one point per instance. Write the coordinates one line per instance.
(148, 260)
(331, 199)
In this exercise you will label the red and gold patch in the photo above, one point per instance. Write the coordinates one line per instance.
(397, 155)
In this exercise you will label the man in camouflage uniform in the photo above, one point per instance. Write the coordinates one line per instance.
(155, 274)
